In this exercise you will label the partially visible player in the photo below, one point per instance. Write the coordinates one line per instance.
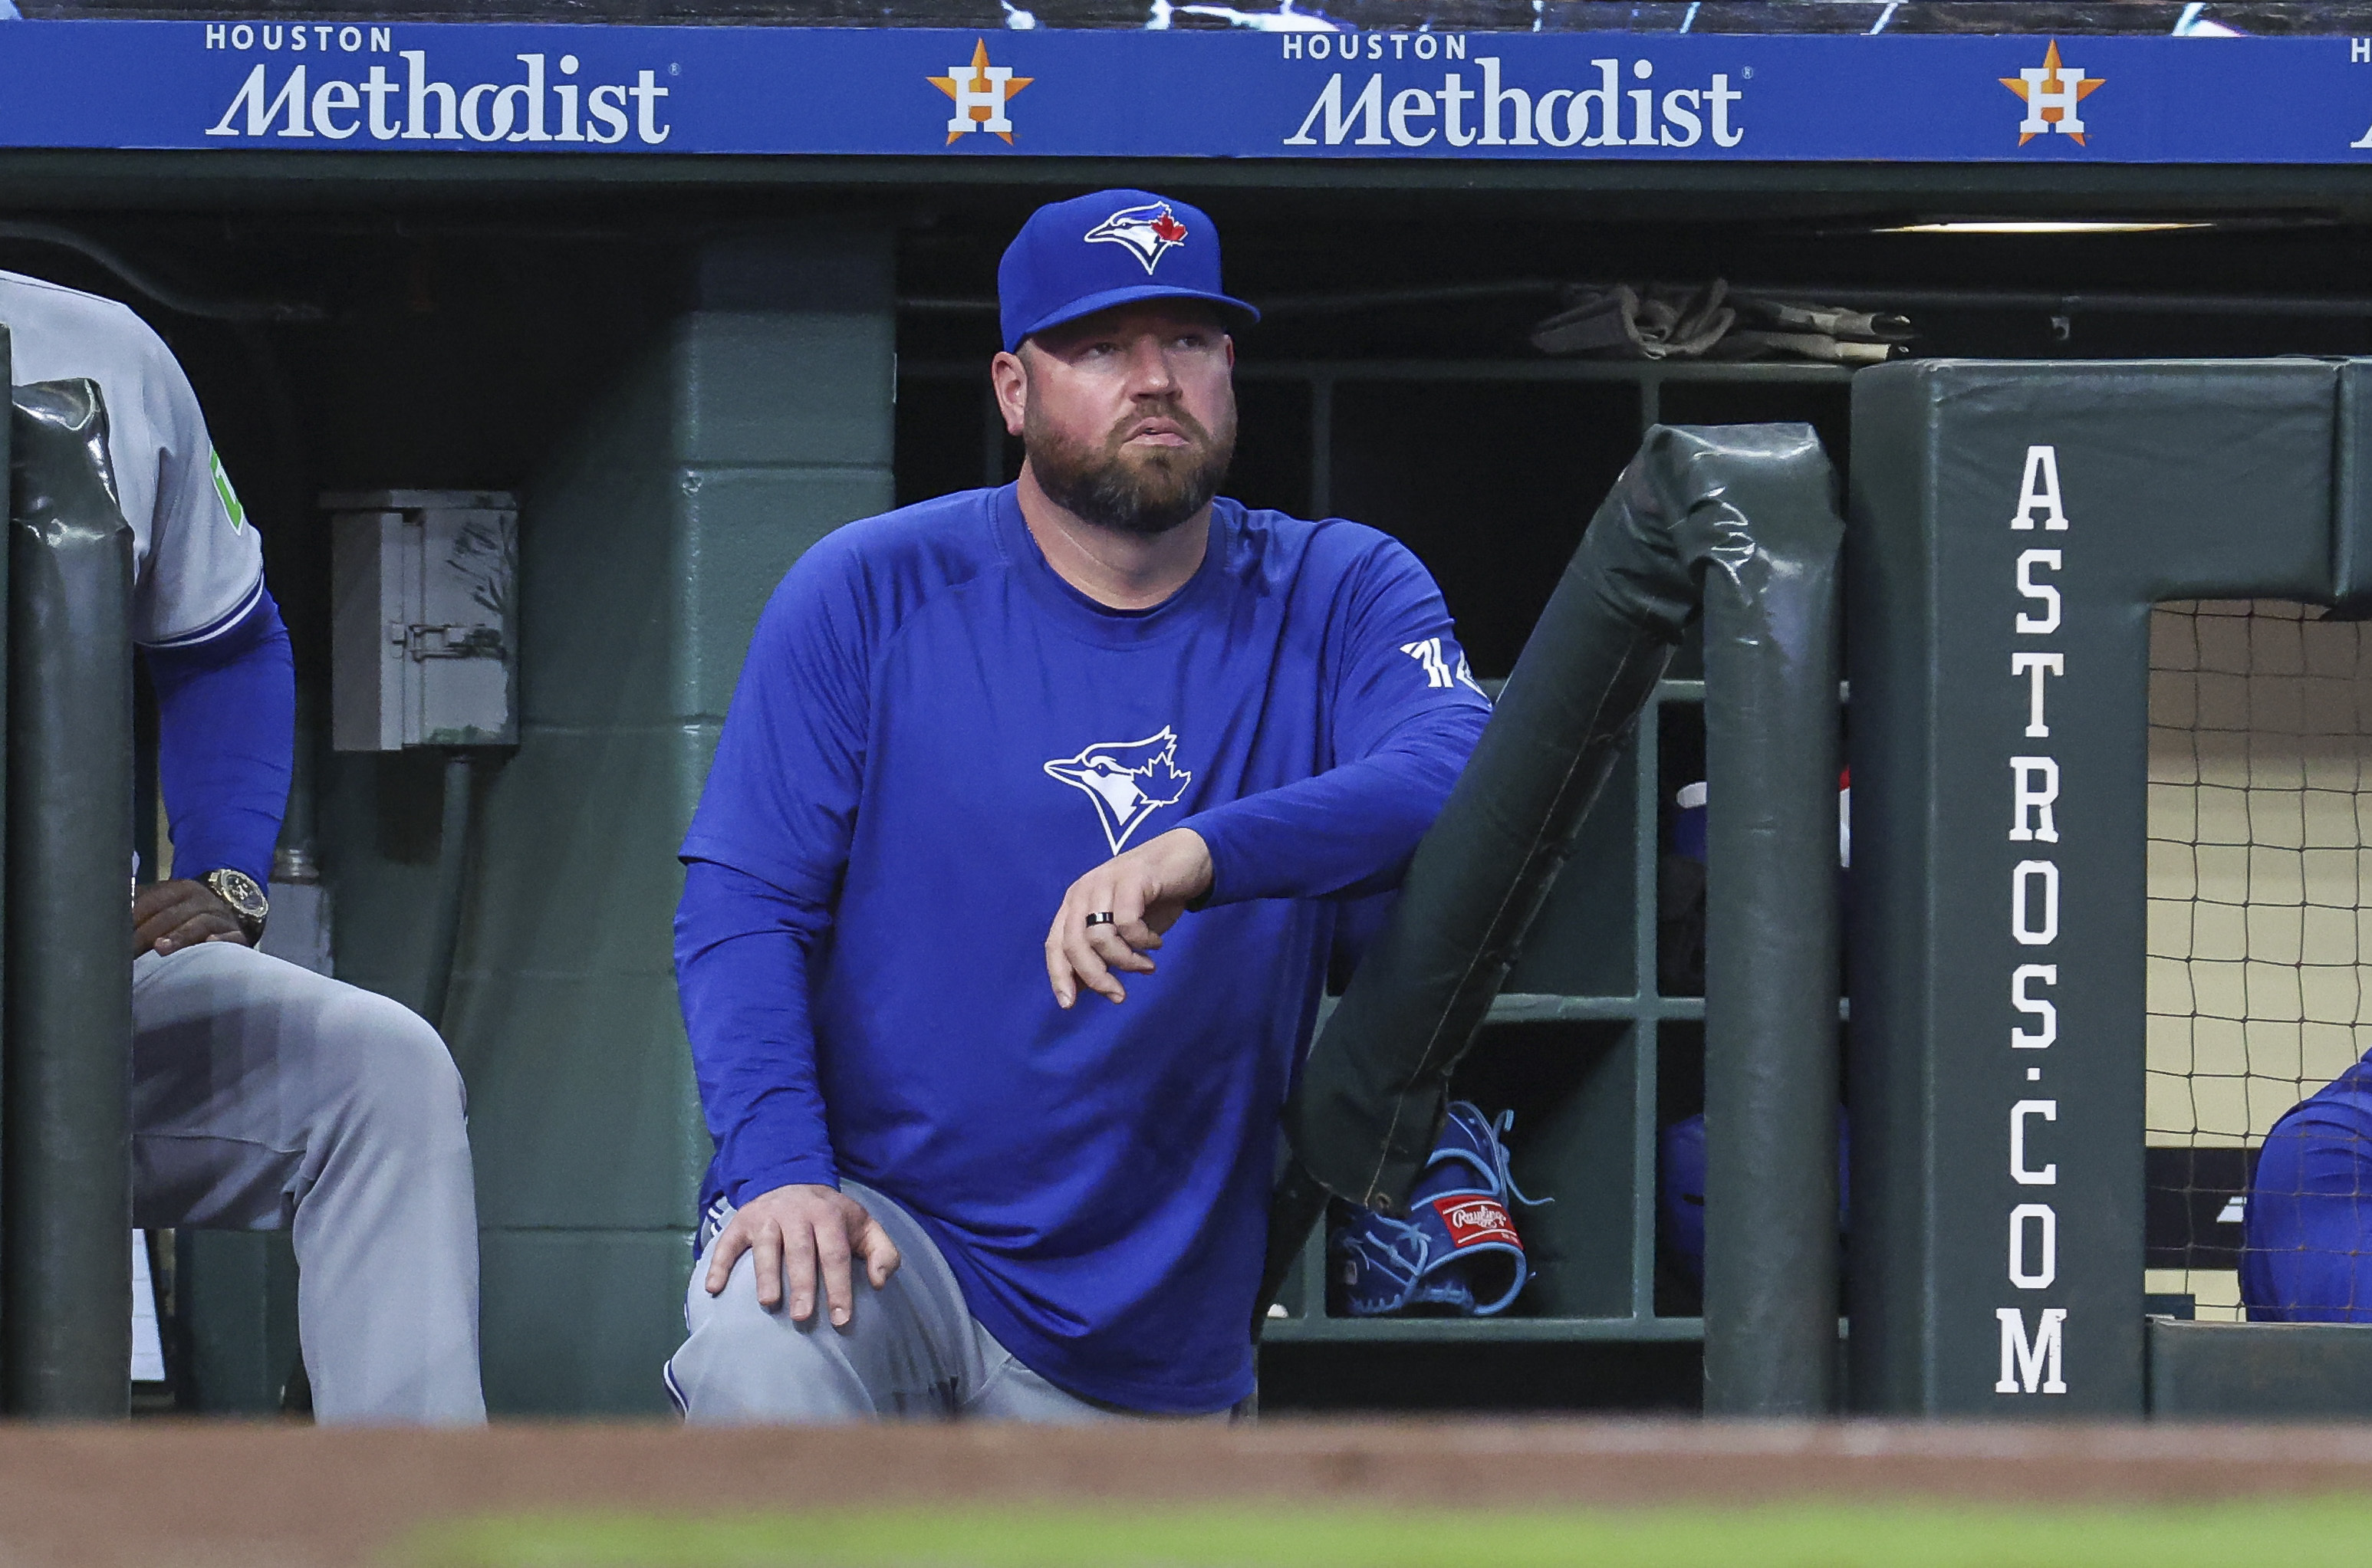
(953, 1176)
(2307, 1255)
(264, 1095)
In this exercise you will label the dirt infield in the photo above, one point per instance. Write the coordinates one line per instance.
(265, 1496)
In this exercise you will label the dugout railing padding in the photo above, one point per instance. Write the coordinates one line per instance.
(65, 1058)
(1740, 523)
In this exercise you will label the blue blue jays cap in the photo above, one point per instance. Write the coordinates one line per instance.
(1075, 257)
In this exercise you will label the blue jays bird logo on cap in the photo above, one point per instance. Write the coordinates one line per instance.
(1150, 232)
(1128, 780)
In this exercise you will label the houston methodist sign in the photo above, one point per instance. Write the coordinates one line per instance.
(466, 88)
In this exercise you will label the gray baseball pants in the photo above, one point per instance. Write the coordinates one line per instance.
(264, 1095)
(912, 1350)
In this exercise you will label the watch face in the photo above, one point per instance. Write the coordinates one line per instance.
(238, 890)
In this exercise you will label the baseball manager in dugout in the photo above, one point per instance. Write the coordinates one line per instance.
(1010, 901)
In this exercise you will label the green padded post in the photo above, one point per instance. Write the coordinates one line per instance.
(1765, 538)
(2012, 525)
(66, 1267)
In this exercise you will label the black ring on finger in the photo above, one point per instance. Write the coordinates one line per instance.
(1103, 919)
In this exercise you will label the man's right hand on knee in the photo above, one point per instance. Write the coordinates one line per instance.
(802, 1231)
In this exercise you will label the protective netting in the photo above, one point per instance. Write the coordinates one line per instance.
(2261, 724)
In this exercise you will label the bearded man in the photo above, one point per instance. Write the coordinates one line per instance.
(1023, 1164)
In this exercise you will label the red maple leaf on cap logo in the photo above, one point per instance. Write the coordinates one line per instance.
(1149, 232)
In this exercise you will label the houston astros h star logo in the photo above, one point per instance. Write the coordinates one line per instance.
(2052, 92)
(1128, 780)
(1149, 232)
(980, 92)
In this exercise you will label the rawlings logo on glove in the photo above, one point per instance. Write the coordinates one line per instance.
(1470, 1220)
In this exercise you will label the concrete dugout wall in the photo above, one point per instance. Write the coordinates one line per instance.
(2012, 525)
(650, 541)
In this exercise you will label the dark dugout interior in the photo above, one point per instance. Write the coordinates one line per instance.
(348, 333)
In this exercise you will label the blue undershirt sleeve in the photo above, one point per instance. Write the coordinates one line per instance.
(742, 950)
(1405, 713)
(763, 861)
(2309, 1220)
(226, 742)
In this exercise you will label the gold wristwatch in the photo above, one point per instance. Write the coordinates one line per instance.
(246, 899)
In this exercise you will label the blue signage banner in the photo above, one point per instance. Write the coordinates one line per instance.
(785, 91)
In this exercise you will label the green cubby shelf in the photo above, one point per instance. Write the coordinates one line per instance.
(1455, 1330)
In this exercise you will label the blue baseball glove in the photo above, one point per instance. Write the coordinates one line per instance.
(1457, 1253)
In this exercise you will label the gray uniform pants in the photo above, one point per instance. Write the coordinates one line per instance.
(264, 1095)
(912, 1348)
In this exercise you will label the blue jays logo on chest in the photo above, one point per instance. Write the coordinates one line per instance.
(1128, 780)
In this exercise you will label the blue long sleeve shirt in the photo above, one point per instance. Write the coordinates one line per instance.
(2308, 1220)
(933, 737)
(226, 741)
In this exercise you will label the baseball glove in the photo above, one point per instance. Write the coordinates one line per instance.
(1457, 1253)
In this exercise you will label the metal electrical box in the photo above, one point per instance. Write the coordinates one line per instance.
(424, 645)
